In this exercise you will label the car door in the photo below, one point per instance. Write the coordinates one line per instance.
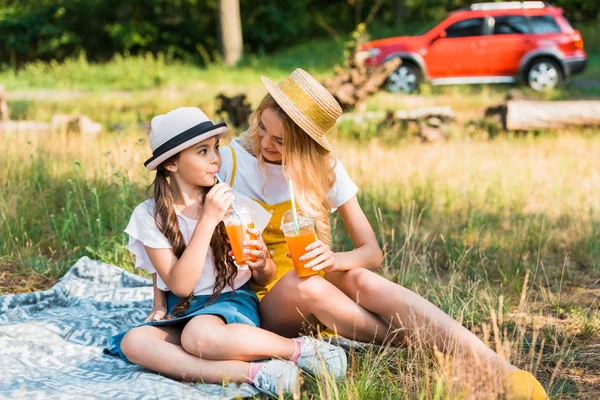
(506, 44)
(456, 52)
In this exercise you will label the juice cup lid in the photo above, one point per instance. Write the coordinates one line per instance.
(287, 221)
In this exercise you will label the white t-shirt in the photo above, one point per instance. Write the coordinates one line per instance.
(142, 231)
(249, 179)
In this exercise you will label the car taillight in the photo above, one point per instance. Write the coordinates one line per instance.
(578, 40)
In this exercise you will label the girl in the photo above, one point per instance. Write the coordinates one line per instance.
(211, 329)
(286, 139)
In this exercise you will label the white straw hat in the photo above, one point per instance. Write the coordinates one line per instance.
(177, 130)
(307, 103)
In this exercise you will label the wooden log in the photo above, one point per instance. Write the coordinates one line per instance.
(527, 115)
(354, 84)
(236, 109)
(75, 123)
(443, 114)
(429, 123)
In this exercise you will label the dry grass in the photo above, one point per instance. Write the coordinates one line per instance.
(462, 223)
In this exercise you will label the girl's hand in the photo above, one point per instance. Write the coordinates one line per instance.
(158, 313)
(256, 250)
(216, 203)
(320, 256)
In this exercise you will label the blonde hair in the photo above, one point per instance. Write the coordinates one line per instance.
(309, 165)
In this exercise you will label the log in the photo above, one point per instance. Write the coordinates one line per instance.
(527, 115)
(352, 85)
(75, 123)
(430, 123)
(235, 109)
(434, 116)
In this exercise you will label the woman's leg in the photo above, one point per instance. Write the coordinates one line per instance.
(209, 337)
(293, 301)
(159, 349)
(419, 319)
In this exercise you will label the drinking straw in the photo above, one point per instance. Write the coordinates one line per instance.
(294, 211)
(235, 210)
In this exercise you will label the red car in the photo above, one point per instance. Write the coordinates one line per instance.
(485, 43)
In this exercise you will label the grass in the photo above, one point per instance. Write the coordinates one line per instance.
(462, 223)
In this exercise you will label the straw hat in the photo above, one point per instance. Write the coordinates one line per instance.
(307, 103)
(177, 130)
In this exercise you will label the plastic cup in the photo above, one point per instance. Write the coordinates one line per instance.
(297, 241)
(237, 225)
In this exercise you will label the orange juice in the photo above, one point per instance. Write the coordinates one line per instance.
(297, 244)
(237, 234)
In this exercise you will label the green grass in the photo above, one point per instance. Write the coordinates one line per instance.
(461, 223)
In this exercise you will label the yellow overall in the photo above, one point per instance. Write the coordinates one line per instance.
(276, 244)
(272, 235)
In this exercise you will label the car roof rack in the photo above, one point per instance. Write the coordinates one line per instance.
(508, 5)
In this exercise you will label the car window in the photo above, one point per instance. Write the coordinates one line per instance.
(544, 24)
(511, 25)
(464, 28)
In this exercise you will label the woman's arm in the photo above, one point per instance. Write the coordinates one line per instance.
(263, 269)
(366, 252)
(265, 276)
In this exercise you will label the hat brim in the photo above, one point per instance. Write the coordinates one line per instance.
(295, 113)
(182, 142)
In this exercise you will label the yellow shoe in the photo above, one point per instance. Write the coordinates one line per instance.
(522, 385)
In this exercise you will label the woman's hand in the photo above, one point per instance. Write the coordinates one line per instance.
(216, 203)
(321, 257)
(256, 251)
(158, 313)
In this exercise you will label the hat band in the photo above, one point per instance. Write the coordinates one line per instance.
(309, 107)
(183, 137)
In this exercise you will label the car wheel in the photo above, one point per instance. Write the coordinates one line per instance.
(544, 75)
(405, 79)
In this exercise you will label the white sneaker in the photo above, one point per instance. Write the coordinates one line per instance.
(318, 357)
(277, 377)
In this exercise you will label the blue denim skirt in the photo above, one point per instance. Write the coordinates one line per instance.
(238, 308)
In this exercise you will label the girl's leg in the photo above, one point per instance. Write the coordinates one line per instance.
(293, 301)
(160, 350)
(209, 337)
(418, 318)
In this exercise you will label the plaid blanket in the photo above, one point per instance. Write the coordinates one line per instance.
(51, 342)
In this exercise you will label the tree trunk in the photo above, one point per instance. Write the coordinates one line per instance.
(526, 115)
(399, 12)
(230, 31)
(4, 112)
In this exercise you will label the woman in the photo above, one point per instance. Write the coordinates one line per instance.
(287, 140)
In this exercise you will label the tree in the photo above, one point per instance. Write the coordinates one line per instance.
(230, 31)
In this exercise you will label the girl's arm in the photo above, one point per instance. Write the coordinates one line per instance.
(366, 252)
(159, 307)
(181, 274)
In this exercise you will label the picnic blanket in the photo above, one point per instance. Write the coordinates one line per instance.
(51, 342)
